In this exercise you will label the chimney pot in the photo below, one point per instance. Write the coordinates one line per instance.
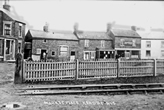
(134, 28)
(76, 26)
(45, 28)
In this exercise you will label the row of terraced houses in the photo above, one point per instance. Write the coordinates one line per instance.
(125, 42)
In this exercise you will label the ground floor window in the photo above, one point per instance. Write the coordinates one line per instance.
(106, 54)
(128, 54)
(135, 54)
(63, 50)
(162, 53)
(8, 46)
(148, 53)
(1, 46)
(89, 55)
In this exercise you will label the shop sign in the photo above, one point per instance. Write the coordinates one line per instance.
(125, 42)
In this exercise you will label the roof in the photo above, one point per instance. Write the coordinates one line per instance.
(93, 35)
(152, 35)
(126, 33)
(12, 15)
(52, 35)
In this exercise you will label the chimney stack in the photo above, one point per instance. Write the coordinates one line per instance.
(134, 28)
(6, 5)
(45, 28)
(76, 26)
(110, 26)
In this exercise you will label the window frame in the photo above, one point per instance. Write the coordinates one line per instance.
(86, 43)
(91, 55)
(102, 43)
(148, 43)
(162, 44)
(9, 51)
(1, 45)
(44, 40)
(20, 30)
(63, 51)
(54, 53)
(146, 53)
(10, 23)
(162, 53)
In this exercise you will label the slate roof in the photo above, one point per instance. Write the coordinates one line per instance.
(12, 15)
(125, 33)
(152, 35)
(93, 35)
(38, 34)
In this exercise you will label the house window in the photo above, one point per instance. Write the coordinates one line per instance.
(63, 50)
(1, 46)
(148, 44)
(19, 47)
(44, 41)
(8, 46)
(162, 53)
(38, 51)
(72, 53)
(148, 53)
(89, 55)
(162, 44)
(53, 53)
(86, 43)
(7, 28)
(20, 30)
(102, 43)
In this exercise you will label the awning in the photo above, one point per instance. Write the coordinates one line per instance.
(126, 49)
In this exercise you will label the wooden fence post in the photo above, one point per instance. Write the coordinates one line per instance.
(18, 69)
(118, 67)
(155, 67)
(77, 69)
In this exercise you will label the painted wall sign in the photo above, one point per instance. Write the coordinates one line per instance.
(124, 42)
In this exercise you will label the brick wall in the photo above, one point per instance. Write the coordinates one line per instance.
(53, 45)
(93, 44)
(127, 39)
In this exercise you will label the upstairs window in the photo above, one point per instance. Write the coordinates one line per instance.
(102, 43)
(20, 30)
(148, 44)
(86, 43)
(7, 28)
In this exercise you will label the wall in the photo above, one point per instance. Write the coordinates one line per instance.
(127, 42)
(93, 44)
(155, 49)
(52, 45)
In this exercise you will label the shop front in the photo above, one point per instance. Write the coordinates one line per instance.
(128, 48)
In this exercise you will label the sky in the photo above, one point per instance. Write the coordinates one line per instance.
(90, 15)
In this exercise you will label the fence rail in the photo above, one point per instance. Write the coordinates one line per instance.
(50, 71)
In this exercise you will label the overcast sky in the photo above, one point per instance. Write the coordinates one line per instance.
(91, 15)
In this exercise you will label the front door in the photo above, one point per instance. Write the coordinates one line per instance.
(43, 53)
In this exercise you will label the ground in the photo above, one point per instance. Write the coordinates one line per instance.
(72, 102)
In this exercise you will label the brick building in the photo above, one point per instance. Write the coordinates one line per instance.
(59, 45)
(94, 45)
(12, 32)
(127, 42)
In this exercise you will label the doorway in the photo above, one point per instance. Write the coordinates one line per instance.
(42, 54)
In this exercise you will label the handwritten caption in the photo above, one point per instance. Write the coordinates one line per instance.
(79, 103)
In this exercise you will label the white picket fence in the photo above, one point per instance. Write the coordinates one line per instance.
(51, 71)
